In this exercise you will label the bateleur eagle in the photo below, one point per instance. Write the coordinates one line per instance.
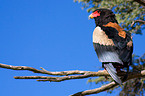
(112, 43)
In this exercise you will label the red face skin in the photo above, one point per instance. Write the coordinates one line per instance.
(96, 13)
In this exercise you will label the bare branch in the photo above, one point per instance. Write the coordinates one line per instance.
(131, 75)
(76, 74)
(97, 90)
(54, 79)
(142, 2)
(58, 79)
(90, 74)
(141, 21)
(43, 71)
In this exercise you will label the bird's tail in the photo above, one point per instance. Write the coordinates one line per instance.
(112, 71)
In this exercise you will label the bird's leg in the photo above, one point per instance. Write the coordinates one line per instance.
(105, 76)
(118, 69)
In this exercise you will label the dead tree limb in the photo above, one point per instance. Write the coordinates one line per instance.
(141, 21)
(142, 2)
(131, 75)
(43, 71)
(97, 90)
(69, 75)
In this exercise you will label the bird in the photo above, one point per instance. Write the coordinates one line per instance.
(113, 44)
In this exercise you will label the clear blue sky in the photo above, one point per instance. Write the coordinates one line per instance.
(55, 35)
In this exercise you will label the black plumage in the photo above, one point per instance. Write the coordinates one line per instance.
(112, 43)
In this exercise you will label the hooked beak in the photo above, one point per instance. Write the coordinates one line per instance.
(90, 16)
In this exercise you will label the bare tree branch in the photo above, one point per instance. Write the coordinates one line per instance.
(142, 2)
(54, 79)
(76, 74)
(131, 75)
(97, 90)
(141, 21)
(43, 71)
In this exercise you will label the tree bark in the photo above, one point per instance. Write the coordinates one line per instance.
(75, 74)
(142, 2)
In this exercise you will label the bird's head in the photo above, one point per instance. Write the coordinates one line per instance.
(103, 16)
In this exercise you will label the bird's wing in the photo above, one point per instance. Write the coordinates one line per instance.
(112, 44)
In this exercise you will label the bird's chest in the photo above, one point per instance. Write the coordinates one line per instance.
(101, 38)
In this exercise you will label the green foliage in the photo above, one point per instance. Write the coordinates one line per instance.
(126, 11)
